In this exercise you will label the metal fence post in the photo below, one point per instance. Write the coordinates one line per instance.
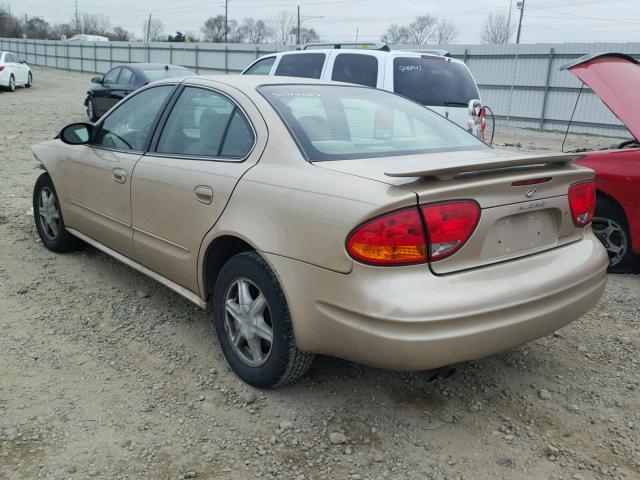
(95, 57)
(466, 55)
(148, 53)
(45, 53)
(257, 51)
(110, 55)
(81, 58)
(545, 97)
(129, 52)
(170, 53)
(197, 59)
(226, 59)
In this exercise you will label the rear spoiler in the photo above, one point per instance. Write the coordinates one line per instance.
(449, 169)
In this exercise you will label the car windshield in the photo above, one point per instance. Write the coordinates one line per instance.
(160, 73)
(331, 122)
(434, 81)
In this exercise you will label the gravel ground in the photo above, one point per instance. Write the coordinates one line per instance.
(106, 374)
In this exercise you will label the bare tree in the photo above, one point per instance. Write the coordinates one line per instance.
(254, 31)
(281, 28)
(213, 29)
(153, 31)
(395, 35)
(446, 31)
(37, 27)
(9, 24)
(60, 30)
(120, 34)
(422, 30)
(92, 24)
(496, 29)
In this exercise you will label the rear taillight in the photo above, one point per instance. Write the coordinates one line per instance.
(449, 226)
(1, 68)
(393, 239)
(400, 237)
(582, 200)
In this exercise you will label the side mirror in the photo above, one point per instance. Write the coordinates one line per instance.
(76, 133)
(23, 61)
(97, 79)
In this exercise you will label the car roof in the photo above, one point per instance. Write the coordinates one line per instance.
(141, 67)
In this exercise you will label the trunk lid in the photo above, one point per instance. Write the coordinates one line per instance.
(615, 78)
(515, 220)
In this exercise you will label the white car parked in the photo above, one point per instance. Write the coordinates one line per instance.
(431, 78)
(14, 71)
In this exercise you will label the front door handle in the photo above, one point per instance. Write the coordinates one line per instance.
(203, 194)
(119, 175)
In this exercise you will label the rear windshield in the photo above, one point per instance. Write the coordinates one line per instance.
(154, 74)
(307, 65)
(331, 122)
(433, 81)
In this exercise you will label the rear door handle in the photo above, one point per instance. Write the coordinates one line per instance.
(119, 175)
(203, 194)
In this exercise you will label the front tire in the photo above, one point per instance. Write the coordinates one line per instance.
(48, 217)
(29, 83)
(91, 110)
(611, 228)
(253, 324)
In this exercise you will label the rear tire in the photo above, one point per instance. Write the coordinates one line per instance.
(611, 228)
(29, 83)
(12, 84)
(48, 217)
(244, 335)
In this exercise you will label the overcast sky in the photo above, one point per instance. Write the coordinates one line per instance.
(544, 20)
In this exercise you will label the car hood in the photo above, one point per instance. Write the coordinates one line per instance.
(614, 77)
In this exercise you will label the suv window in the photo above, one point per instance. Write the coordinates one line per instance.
(111, 76)
(261, 67)
(128, 126)
(307, 65)
(126, 77)
(356, 68)
(433, 81)
(204, 123)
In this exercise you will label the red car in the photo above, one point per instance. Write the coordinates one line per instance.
(615, 78)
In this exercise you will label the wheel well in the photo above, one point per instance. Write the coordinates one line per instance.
(601, 195)
(218, 252)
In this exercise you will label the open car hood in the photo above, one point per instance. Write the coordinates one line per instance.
(615, 78)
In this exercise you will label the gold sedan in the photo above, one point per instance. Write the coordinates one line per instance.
(316, 217)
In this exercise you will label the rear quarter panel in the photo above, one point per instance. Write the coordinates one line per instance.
(618, 176)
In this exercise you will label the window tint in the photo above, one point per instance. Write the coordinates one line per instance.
(111, 76)
(356, 68)
(307, 65)
(206, 124)
(128, 126)
(154, 74)
(261, 67)
(126, 77)
(341, 123)
(433, 81)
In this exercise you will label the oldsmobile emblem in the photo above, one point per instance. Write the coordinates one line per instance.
(530, 193)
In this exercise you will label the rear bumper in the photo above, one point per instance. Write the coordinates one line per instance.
(4, 78)
(408, 319)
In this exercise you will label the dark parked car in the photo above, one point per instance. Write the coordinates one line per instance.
(121, 80)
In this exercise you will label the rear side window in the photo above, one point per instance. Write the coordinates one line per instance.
(307, 65)
(205, 123)
(11, 58)
(433, 81)
(261, 67)
(355, 68)
(126, 77)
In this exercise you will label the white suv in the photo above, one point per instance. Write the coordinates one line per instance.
(430, 78)
(14, 71)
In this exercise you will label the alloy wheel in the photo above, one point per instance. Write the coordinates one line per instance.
(248, 323)
(49, 213)
(613, 237)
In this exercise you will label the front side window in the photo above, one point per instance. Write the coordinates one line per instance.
(111, 76)
(261, 67)
(128, 127)
(204, 123)
(356, 68)
(434, 81)
(307, 65)
(330, 122)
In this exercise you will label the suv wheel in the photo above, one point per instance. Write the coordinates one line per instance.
(253, 324)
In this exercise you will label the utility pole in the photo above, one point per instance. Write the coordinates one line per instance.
(226, 19)
(77, 19)
(298, 29)
(509, 20)
(520, 5)
(149, 28)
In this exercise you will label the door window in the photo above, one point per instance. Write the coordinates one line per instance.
(126, 77)
(111, 76)
(11, 58)
(128, 126)
(261, 67)
(307, 65)
(204, 123)
(356, 68)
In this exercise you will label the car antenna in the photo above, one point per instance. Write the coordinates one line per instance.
(571, 119)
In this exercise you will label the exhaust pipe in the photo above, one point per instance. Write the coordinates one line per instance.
(430, 376)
